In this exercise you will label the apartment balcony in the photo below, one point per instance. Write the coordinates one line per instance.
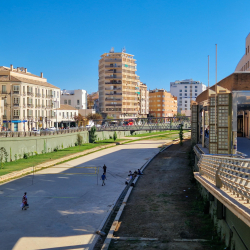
(113, 105)
(113, 99)
(24, 106)
(16, 92)
(49, 96)
(113, 60)
(49, 106)
(38, 95)
(4, 92)
(112, 71)
(113, 88)
(30, 94)
(114, 66)
(43, 106)
(38, 106)
(113, 77)
(24, 94)
(16, 117)
(30, 105)
(113, 93)
(30, 117)
(4, 116)
(43, 95)
(113, 82)
(15, 104)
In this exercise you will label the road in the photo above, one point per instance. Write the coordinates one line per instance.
(66, 210)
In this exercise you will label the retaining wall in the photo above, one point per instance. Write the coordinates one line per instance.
(17, 146)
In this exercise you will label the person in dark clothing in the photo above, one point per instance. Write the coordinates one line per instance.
(104, 169)
(103, 178)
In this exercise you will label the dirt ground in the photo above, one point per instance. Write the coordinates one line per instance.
(166, 204)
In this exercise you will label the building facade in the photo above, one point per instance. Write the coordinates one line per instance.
(243, 64)
(1, 114)
(162, 103)
(76, 98)
(66, 116)
(118, 85)
(29, 100)
(144, 101)
(186, 91)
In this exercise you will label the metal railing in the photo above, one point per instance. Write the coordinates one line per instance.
(230, 173)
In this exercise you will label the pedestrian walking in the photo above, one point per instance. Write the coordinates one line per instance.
(24, 204)
(104, 169)
(103, 178)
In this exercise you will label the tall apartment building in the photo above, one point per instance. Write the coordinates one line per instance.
(162, 103)
(76, 98)
(29, 100)
(119, 86)
(186, 91)
(244, 64)
(144, 101)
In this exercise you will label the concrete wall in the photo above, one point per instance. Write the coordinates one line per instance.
(39, 144)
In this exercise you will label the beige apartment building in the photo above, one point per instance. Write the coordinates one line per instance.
(29, 100)
(144, 101)
(162, 103)
(119, 86)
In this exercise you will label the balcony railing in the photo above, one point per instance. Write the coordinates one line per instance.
(43, 95)
(4, 116)
(30, 93)
(113, 88)
(43, 106)
(114, 105)
(16, 104)
(16, 92)
(24, 105)
(38, 95)
(30, 105)
(113, 60)
(4, 92)
(113, 93)
(16, 117)
(24, 93)
(117, 66)
(113, 82)
(113, 77)
(113, 99)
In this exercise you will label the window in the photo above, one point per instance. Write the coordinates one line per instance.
(180, 94)
(16, 88)
(78, 102)
(195, 94)
(185, 94)
(196, 87)
(16, 112)
(23, 101)
(185, 101)
(23, 113)
(196, 90)
(180, 90)
(69, 102)
(4, 90)
(65, 101)
(185, 87)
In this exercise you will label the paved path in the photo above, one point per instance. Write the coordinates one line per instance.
(65, 210)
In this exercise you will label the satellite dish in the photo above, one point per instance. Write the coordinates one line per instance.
(124, 50)
(112, 50)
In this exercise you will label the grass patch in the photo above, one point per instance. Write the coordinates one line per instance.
(42, 158)
(154, 133)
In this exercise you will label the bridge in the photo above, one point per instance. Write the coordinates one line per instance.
(151, 123)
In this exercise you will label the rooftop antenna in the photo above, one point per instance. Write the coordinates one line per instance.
(112, 50)
(124, 50)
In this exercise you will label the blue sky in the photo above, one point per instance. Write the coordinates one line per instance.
(170, 39)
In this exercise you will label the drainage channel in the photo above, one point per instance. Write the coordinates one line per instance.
(111, 217)
(109, 222)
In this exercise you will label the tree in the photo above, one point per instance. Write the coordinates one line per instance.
(79, 139)
(92, 135)
(115, 136)
(3, 156)
(96, 116)
(181, 134)
(80, 119)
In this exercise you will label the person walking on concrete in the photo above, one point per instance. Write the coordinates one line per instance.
(104, 169)
(103, 178)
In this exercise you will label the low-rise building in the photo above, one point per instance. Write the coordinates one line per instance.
(76, 98)
(162, 103)
(1, 114)
(66, 116)
(29, 100)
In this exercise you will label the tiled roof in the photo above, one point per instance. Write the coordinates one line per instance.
(66, 107)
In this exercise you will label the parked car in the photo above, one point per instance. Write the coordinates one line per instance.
(37, 131)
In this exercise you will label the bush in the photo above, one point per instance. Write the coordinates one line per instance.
(35, 153)
(79, 140)
(181, 134)
(92, 135)
(110, 137)
(115, 136)
(56, 149)
(25, 156)
(3, 156)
